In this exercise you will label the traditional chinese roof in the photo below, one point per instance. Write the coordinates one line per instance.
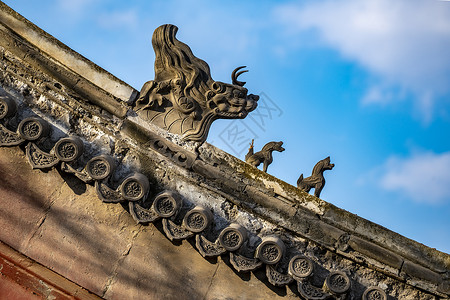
(125, 208)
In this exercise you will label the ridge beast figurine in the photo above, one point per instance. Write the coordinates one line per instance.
(264, 156)
(183, 98)
(316, 180)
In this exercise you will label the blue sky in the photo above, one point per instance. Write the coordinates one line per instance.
(366, 82)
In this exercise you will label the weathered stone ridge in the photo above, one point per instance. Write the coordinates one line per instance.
(57, 219)
(44, 52)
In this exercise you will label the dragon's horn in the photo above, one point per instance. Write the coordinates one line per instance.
(235, 75)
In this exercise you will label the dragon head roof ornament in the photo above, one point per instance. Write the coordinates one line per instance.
(183, 98)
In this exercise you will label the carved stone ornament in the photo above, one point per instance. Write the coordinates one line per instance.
(300, 267)
(40, 159)
(172, 151)
(232, 237)
(183, 98)
(244, 264)
(135, 187)
(100, 167)
(337, 283)
(81, 174)
(175, 232)
(310, 292)
(141, 214)
(208, 248)
(32, 129)
(107, 194)
(271, 250)
(374, 293)
(8, 107)
(3, 108)
(167, 204)
(264, 156)
(69, 149)
(9, 138)
(276, 278)
(316, 180)
(197, 219)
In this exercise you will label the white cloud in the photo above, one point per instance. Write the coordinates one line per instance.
(74, 8)
(380, 94)
(406, 44)
(423, 177)
(119, 19)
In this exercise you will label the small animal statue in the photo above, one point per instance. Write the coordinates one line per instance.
(263, 156)
(316, 180)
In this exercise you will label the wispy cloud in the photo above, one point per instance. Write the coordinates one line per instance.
(106, 17)
(75, 8)
(423, 177)
(405, 44)
(119, 19)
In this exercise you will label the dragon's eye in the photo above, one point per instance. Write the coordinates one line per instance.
(238, 94)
